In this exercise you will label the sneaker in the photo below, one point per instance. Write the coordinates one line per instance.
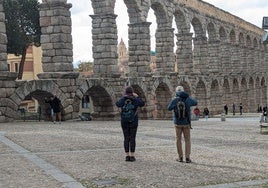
(132, 158)
(188, 160)
(180, 159)
(127, 158)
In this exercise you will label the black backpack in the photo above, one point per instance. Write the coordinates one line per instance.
(181, 111)
(128, 112)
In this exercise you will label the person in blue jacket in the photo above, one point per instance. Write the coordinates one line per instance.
(130, 128)
(182, 125)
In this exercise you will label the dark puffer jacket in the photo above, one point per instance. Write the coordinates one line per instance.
(137, 102)
(188, 103)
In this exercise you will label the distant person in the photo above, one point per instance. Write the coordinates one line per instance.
(129, 104)
(206, 113)
(260, 108)
(196, 113)
(55, 104)
(265, 113)
(226, 109)
(181, 106)
(241, 109)
(233, 109)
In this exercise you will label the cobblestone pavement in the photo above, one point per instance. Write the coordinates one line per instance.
(76, 154)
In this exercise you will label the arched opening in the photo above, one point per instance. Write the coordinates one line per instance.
(162, 99)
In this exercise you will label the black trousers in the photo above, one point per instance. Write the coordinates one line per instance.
(129, 132)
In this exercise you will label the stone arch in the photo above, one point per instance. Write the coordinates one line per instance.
(223, 35)
(252, 97)
(182, 23)
(212, 34)
(162, 99)
(138, 11)
(198, 29)
(39, 89)
(255, 43)
(226, 91)
(162, 18)
(232, 37)
(258, 91)
(248, 41)
(161, 86)
(244, 94)
(241, 39)
(201, 94)
(215, 98)
(236, 91)
(103, 6)
(264, 91)
(186, 87)
(102, 96)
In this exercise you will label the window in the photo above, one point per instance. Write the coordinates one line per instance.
(16, 67)
(265, 23)
(8, 67)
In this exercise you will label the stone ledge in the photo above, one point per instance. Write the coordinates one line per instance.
(8, 76)
(58, 75)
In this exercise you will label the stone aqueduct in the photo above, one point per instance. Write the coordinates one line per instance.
(223, 61)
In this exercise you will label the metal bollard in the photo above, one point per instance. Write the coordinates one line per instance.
(222, 117)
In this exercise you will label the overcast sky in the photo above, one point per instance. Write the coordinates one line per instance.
(252, 11)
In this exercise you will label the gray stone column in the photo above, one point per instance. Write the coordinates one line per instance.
(4, 72)
(165, 57)
(200, 55)
(225, 57)
(104, 36)
(213, 57)
(139, 49)
(56, 40)
(8, 109)
(243, 57)
(251, 60)
(235, 59)
(184, 53)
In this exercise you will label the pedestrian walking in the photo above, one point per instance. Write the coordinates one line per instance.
(181, 106)
(233, 109)
(196, 113)
(206, 113)
(129, 120)
(226, 109)
(241, 109)
(55, 104)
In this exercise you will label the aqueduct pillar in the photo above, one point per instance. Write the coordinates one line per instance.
(56, 40)
(8, 108)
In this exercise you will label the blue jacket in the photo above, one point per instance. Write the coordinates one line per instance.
(137, 102)
(188, 103)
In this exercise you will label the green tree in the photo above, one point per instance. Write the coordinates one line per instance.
(22, 27)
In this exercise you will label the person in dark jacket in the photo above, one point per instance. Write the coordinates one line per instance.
(55, 104)
(206, 113)
(130, 128)
(182, 126)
